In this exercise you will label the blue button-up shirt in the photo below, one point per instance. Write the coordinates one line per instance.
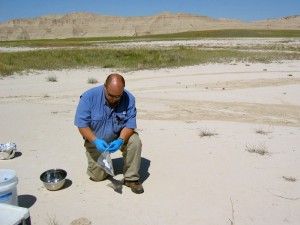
(94, 111)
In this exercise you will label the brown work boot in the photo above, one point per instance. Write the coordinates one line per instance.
(135, 186)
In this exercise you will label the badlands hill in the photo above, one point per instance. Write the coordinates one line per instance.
(81, 24)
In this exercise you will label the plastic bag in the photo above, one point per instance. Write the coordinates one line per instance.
(7, 151)
(105, 162)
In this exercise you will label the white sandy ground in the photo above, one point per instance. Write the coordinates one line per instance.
(188, 179)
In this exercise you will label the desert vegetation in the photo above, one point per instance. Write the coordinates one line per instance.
(84, 42)
(100, 52)
(207, 133)
(92, 80)
(260, 149)
(52, 78)
(128, 59)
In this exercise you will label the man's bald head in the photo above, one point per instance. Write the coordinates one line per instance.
(114, 86)
(115, 78)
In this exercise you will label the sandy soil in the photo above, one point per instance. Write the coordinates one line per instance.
(188, 176)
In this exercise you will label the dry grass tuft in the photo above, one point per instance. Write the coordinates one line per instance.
(290, 179)
(52, 78)
(262, 131)
(260, 149)
(81, 221)
(207, 133)
(52, 220)
(92, 80)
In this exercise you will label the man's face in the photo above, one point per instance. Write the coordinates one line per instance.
(113, 93)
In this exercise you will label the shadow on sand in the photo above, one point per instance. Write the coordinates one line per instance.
(26, 201)
(118, 163)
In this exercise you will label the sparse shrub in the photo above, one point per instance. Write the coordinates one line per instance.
(262, 131)
(290, 179)
(52, 78)
(92, 80)
(52, 220)
(260, 149)
(207, 133)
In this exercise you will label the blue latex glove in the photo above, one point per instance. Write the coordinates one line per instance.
(101, 145)
(115, 145)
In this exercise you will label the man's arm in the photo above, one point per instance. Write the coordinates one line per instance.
(87, 133)
(126, 133)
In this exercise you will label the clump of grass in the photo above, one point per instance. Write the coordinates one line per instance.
(290, 179)
(207, 133)
(92, 80)
(81, 221)
(52, 220)
(51, 78)
(260, 149)
(262, 131)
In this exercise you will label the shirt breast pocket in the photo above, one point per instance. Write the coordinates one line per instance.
(97, 122)
(119, 122)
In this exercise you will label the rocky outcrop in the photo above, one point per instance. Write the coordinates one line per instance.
(78, 25)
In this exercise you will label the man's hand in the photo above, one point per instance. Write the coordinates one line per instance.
(115, 145)
(101, 145)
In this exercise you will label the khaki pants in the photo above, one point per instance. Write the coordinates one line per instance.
(131, 151)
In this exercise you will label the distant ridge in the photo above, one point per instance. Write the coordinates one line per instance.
(83, 24)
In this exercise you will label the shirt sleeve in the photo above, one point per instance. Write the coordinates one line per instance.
(131, 114)
(83, 114)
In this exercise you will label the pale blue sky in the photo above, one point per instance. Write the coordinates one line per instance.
(246, 10)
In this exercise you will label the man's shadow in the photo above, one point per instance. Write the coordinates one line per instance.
(26, 201)
(118, 165)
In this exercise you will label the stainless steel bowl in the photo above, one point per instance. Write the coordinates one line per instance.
(54, 179)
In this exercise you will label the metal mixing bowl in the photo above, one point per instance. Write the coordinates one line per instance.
(54, 179)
